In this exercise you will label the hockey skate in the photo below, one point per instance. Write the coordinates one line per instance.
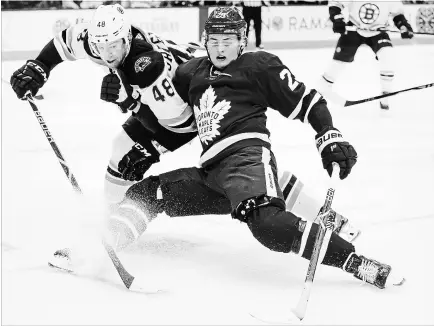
(384, 103)
(61, 259)
(372, 271)
(344, 228)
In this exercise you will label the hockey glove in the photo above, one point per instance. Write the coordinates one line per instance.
(29, 78)
(403, 26)
(339, 25)
(333, 148)
(137, 161)
(116, 89)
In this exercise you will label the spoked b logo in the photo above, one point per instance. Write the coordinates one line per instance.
(369, 13)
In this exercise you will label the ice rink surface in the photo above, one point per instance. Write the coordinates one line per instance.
(210, 269)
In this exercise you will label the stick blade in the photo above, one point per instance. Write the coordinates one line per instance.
(140, 286)
(285, 318)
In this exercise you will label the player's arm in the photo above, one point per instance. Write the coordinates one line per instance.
(182, 78)
(336, 16)
(296, 101)
(144, 70)
(400, 21)
(67, 45)
(153, 90)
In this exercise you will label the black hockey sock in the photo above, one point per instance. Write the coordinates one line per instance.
(338, 249)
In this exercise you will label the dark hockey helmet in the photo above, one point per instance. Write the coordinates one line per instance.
(226, 20)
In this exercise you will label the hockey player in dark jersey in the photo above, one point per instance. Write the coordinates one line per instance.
(142, 66)
(230, 92)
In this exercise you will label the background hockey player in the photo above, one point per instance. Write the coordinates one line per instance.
(363, 26)
(230, 92)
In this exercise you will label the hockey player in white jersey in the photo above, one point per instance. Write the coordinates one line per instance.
(365, 22)
(160, 120)
(140, 81)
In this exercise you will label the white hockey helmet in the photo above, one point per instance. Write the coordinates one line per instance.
(109, 23)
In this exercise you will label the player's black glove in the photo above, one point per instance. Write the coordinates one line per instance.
(406, 32)
(339, 24)
(137, 161)
(29, 78)
(333, 148)
(116, 89)
(403, 26)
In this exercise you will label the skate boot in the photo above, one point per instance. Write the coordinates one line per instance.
(384, 102)
(344, 228)
(372, 271)
(61, 259)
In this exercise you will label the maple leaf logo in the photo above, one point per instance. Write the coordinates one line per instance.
(209, 115)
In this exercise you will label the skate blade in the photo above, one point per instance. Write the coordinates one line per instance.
(60, 268)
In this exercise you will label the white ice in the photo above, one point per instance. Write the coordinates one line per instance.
(211, 268)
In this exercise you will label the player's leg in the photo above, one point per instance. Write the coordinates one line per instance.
(143, 139)
(382, 47)
(249, 179)
(132, 132)
(247, 14)
(304, 201)
(177, 193)
(345, 51)
(257, 23)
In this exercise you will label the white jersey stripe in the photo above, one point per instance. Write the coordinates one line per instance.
(268, 172)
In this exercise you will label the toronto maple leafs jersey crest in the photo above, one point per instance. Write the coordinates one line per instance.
(230, 105)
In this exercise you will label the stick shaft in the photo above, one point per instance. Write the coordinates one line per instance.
(350, 103)
(324, 232)
(126, 277)
(54, 146)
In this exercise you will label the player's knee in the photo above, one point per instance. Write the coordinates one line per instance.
(130, 218)
(387, 63)
(147, 196)
(269, 223)
(115, 187)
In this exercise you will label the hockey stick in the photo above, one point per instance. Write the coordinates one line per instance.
(325, 229)
(53, 144)
(126, 277)
(350, 103)
(38, 97)
(355, 29)
(343, 102)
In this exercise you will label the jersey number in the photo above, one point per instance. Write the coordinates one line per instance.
(101, 24)
(166, 86)
(292, 84)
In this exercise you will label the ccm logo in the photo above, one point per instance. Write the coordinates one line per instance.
(142, 149)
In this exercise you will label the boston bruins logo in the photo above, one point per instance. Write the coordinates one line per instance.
(425, 19)
(369, 13)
